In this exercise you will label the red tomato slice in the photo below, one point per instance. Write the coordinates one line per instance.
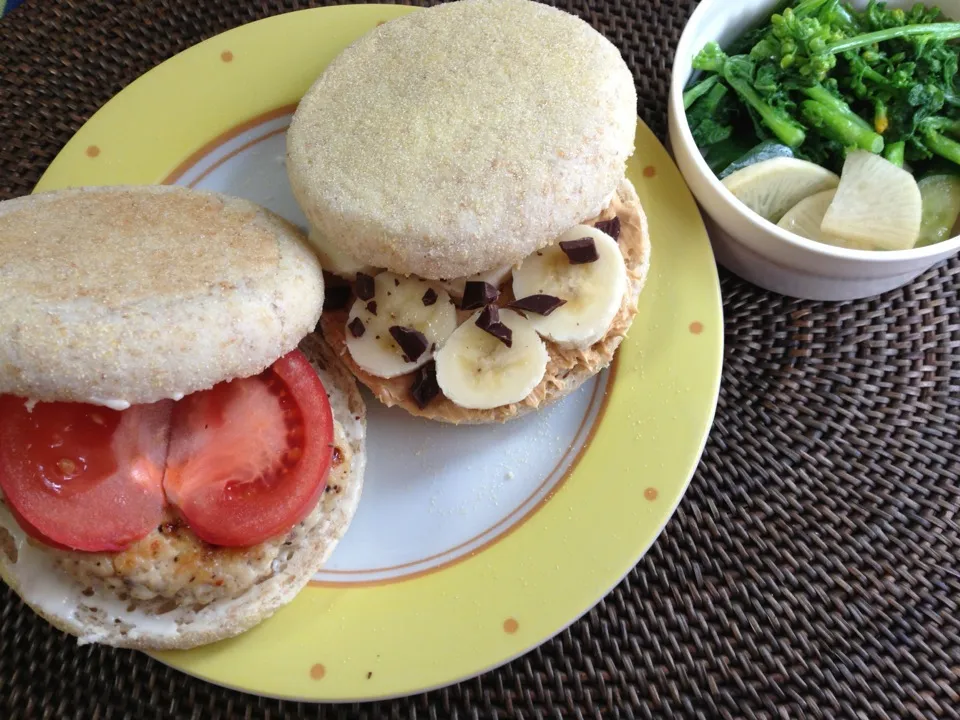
(82, 476)
(33, 532)
(249, 458)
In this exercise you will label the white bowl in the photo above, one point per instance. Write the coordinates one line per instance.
(756, 249)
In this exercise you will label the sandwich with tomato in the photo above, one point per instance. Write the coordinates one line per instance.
(178, 453)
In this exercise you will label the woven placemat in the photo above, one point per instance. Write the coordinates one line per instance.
(812, 568)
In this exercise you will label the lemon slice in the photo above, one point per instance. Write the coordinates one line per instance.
(941, 207)
(806, 217)
(770, 188)
(877, 204)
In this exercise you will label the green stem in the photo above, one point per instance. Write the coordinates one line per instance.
(874, 76)
(698, 91)
(942, 124)
(840, 127)
(737, 75)
(938, 31)
(894, 153)
(943, 146)
(825, 97)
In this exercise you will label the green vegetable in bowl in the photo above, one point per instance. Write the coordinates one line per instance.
(941, 207)
(767, 150)
(823, 78)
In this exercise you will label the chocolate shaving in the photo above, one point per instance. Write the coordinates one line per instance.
(539, 304)
(429, 297)
(425, 387)
(336, 297)
(412, 342)
(372, 307)
(580, 252)
(489, 321)
(611, 227)
(364, 287)
(477, 294)
(356, 327)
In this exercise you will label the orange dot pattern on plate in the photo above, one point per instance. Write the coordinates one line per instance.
(510, 626)
(93, 151)
(649, 171)
(226, 56)
(696, 327)
(650, 494)
(318, 671)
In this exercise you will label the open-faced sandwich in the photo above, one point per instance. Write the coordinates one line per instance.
(463, 170)
(178, 454)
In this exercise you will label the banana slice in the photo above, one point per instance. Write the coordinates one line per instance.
(475, 370)
(495, 277)
(772, 187)
(399, 303)
(334, 260)
(877, 203)
(593, 291)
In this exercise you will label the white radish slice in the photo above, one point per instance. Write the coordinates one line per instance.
(770, 188)
(806, 217)
(877, 204)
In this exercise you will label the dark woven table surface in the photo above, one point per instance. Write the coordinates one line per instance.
(812, 568)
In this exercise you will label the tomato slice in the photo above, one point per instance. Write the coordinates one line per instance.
(249, 458)
(83, 476)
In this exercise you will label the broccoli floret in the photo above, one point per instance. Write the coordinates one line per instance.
(711, 59)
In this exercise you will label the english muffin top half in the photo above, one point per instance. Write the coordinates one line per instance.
(461, 138)
(126, 295)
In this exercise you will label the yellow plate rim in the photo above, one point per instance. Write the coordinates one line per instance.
(146, 131)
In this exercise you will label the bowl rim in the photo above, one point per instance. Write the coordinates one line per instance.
(675, 102)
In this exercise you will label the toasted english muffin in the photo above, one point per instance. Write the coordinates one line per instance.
(136, 599)
(462, 137)
(214, 287)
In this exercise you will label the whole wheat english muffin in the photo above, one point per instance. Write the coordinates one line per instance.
(178, 452)
(463, 168)
(462, 137)
(213, 287)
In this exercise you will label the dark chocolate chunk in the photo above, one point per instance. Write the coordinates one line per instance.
(580, 252)
(356, 327)
(539, 304)
(477, 293)
(412, 342)
(396, 282)
(489, 321)
(611, 227)
(364, 287)
(336, 297)
(372, 307)
(429, 297)
(489, 316)
(425, 387)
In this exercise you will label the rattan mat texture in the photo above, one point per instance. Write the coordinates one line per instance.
(812, 568)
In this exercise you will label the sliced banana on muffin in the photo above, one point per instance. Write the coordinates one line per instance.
(463, 172)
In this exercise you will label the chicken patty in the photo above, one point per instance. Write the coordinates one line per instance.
(172, 563)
